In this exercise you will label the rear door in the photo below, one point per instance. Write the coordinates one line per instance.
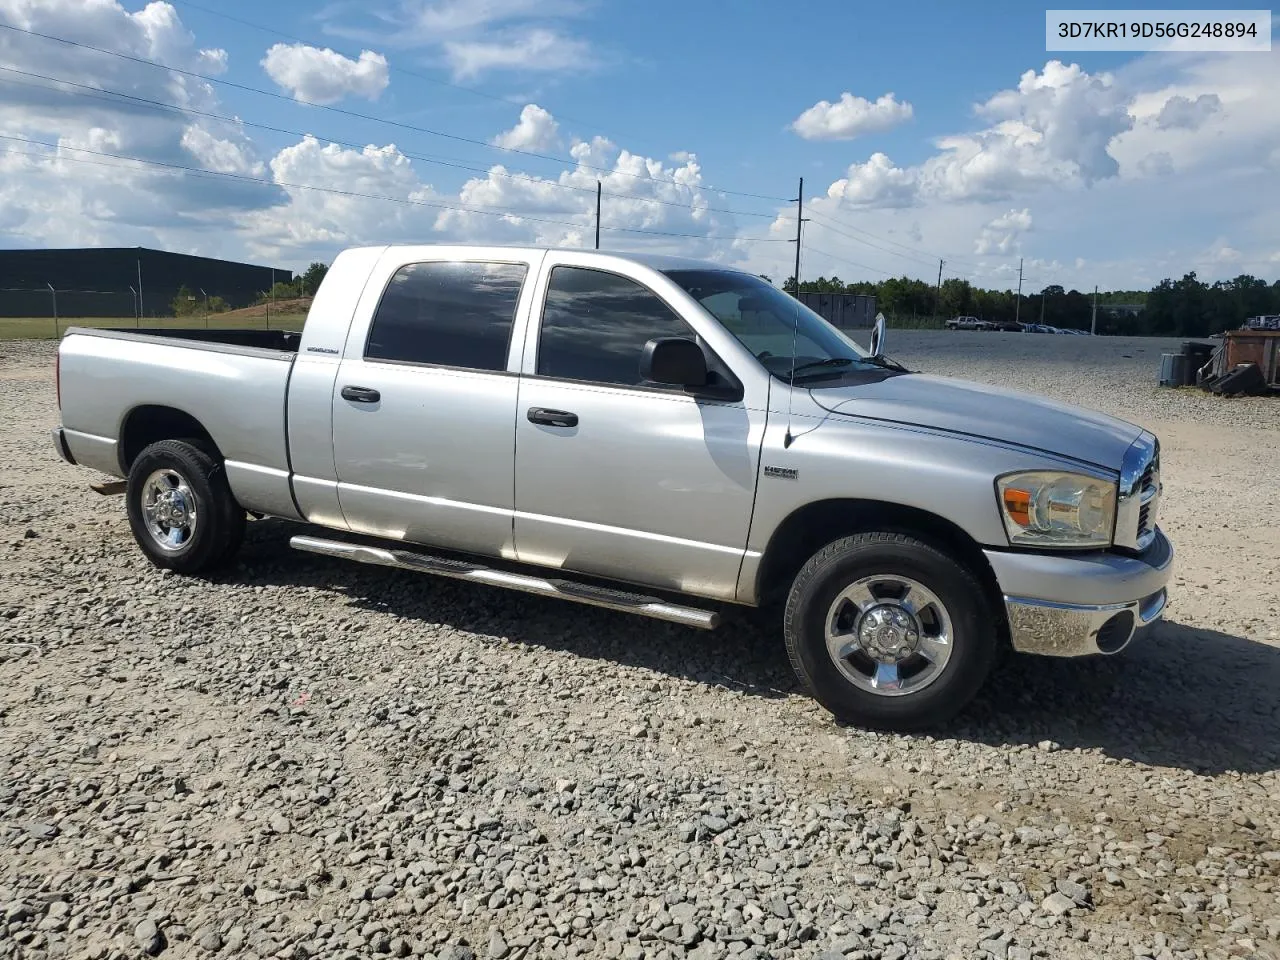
(636, 481)
(424, 404)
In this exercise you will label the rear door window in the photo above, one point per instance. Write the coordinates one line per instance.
(453, 314)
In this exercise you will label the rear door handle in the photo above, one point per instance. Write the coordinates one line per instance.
(552, 418)
(361, 394)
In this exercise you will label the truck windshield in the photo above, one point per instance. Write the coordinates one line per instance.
(769, 322)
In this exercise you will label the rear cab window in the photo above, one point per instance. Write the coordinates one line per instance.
(447, 313)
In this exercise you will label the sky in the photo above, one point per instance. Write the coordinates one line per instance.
(281, 133)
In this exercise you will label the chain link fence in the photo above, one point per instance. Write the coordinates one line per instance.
(27, 313)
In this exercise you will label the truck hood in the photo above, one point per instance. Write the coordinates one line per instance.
(981, 411)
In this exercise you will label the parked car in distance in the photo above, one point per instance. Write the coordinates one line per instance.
(653, 435)
(1008, 326)
(967, 323)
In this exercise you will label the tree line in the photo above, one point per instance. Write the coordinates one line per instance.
(1174, 308)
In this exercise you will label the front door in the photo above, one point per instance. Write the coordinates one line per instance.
(619, 478)
(424, 408)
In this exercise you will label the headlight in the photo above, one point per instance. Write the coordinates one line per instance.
(1047, 508)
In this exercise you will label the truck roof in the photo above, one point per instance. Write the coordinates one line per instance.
(657, 261)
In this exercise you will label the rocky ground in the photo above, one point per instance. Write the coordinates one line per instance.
(303, 758)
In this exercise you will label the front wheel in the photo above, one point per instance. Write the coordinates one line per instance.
(181, 510)
(887, 631)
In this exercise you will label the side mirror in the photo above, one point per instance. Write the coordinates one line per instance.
(675, 361)
(877, 337)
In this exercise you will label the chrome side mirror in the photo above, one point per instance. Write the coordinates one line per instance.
(877, 336)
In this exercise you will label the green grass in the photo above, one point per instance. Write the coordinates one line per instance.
(41, 328)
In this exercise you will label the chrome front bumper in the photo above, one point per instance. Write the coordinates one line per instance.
(1065, 605)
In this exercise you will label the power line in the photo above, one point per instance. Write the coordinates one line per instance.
(200, 172)
(91, 93)
(826, 224)
(351, 55)
(853, 263)
(370, 117)
(923, 255)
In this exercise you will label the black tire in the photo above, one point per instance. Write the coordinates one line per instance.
(973, 630)
(219, 527)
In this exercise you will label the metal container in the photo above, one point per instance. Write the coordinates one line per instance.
(1197, 355)
(1172, 369)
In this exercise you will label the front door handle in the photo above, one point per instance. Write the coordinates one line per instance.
(552, 418)
(361, 394)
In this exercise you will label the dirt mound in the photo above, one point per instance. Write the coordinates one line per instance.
(300, 305)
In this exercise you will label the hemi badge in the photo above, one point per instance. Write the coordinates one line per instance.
(781, 473)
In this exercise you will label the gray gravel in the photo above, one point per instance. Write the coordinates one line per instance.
(301, 758)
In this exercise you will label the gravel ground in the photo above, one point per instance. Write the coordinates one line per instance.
(303, 758)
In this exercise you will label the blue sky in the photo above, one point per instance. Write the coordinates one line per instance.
(922, 131)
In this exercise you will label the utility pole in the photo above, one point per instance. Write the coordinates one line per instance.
(1042, 308)
(141, 308)
(206, 306)
(1093, 321)
(937, 297)
(55, 307)
(799, 221)
(1017, 306)
(136, 317)
(271, 296)
(599, 191)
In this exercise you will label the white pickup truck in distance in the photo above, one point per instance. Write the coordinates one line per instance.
(649, 434)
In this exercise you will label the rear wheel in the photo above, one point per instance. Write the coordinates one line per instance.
(887, 631)
(181, 510)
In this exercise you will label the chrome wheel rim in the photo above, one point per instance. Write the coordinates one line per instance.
(169, 509)
(889, 635)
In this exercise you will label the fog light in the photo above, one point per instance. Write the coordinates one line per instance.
(1115, 633)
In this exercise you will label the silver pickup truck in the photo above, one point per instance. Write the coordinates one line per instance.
(649, 434)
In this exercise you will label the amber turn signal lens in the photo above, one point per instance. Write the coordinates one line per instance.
(1017, 504)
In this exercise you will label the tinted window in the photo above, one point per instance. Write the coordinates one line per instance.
(595, 326)
(454, 314)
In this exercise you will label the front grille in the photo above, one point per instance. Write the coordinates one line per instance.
(1139, 495)
(1149, 497)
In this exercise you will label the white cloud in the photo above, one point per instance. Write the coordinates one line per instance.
(539, 50)
(1156, 164)
(313, 75)
(1207, 112)
(1000, 236)
(475, 37)
(451, 17)
(312, 223)
(876, 183)
(223, 155)
(1053, 129)
(1184, 113)
(631, 182)
(62, 195)
(504, 205)
(537, 130)
(851, 117)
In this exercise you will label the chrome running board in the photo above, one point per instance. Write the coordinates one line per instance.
(475, 573)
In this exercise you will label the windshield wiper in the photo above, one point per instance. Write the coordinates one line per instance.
(815, 364)
(885, 363)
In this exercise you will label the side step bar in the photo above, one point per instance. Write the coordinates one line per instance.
(462, 570)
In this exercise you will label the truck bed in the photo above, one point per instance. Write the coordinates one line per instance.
(234, 383)
(286, 340)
